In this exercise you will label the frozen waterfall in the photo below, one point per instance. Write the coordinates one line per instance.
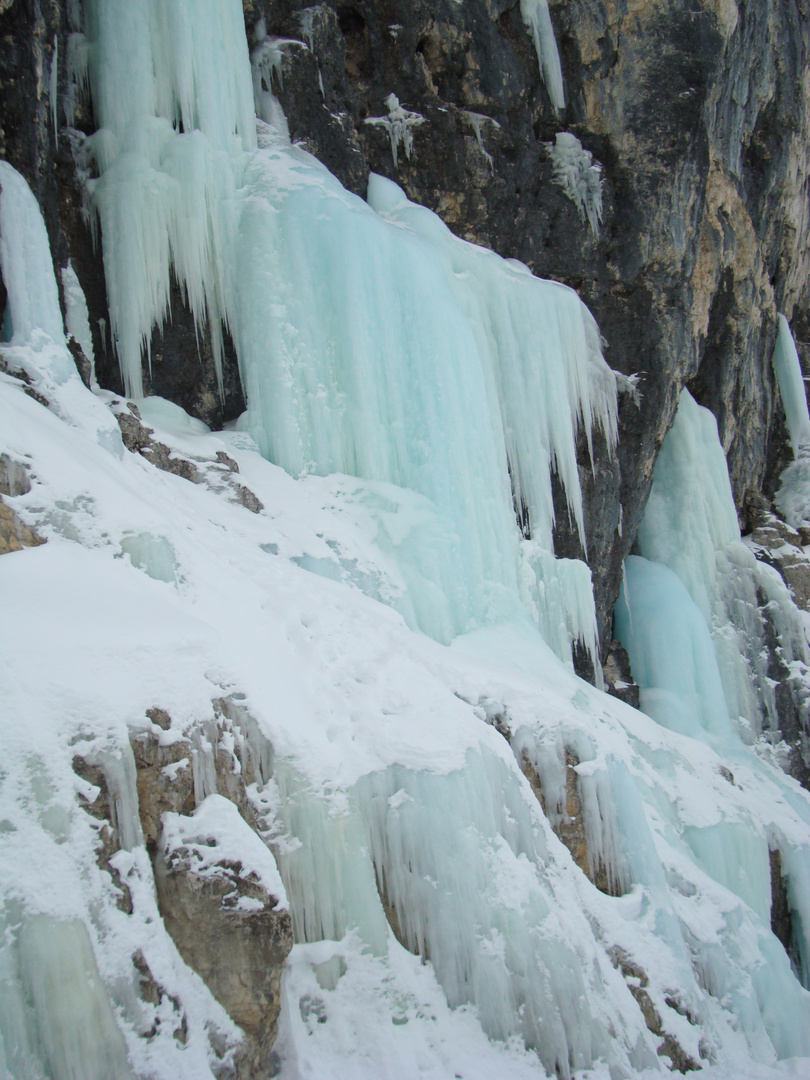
(492, 868)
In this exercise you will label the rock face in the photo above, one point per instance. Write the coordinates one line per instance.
(238, 953)
(226, 923)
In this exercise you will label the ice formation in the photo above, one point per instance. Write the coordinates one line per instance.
(475, 120)
(793, 497)
(406, 390)
(690, 526)
(398, 123)
(537, 18)
(791, 386)
(578, 176)
(696, 616)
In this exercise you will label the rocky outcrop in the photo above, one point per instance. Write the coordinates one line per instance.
(225, 926)
(216, 882)
(218, 473)
(14, 533)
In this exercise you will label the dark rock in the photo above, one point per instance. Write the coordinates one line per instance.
(618, 676)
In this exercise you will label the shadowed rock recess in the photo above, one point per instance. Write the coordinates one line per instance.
(698, 117)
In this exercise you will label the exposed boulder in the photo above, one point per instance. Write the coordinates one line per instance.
(225, 923)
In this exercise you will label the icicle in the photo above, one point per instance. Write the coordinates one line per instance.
(791, 386)
(579, 177)
(164, 198)
(476, 120)
(537, 18)
(398, 124)
(78, 322)
(25, 258)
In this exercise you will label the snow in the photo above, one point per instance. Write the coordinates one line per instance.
(367, 628)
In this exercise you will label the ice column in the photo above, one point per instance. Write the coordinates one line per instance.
(537, 18)
(791, 386)
(690, 526)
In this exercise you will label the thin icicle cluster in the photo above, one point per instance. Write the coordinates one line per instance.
(398, 124)
(578, 176)
(475, 120)
(537, 18)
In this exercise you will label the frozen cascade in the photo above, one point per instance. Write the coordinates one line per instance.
(371, 342)
(793, 497)
(395, 845)
(173, 99)
(537, 18)
(690, 526)
(691, 623)
(791, 386)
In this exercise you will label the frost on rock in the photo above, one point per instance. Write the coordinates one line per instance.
(398, 123)
(537, 18)
(578, 176)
